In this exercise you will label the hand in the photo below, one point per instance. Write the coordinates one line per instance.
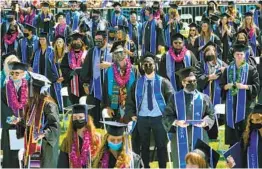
(110, 112)
(105, 65)
(86, 89)
(170, 21)
(40, 136)
(60, 79)
(230, 162)
(30, 69)
(222, 69)
(134, 118)
(181, 123)
(17, 120)
(241, 86)
(46, 19)
(228, 86)
(159, 48)
(212, 77)
(201, 125)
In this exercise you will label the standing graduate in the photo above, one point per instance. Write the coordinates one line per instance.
(188, 116)
(71, 66)
(117, 18)
(14, 98)
(73, 16)
(206, 35)
(135, 29)
(235, 15)
(28, 45)
(97, 23)
(212, 9)
(259, 69)
(152, 34)
(115, 151)
(30, 14)
(257, 15)
(81, 143)
(44, 64)
(240, 84)
(145, 104)
(45, 21)
(93, 73)
(42, 128)
(193, 34)
(118, 81)
(176, 58)
(61, 28)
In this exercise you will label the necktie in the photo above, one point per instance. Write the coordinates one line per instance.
(149, 96)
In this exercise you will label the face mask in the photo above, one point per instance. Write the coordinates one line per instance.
(256, 126)
(114, 146)
(78, 124)
(95, 18)
(77, 46)
(241, 42)
(149, 70)
(99, 43)
(16, 81)
(209, 58)
(26, 35)
(10, 19)
(146, 18)
(191, 87)
(117, 12)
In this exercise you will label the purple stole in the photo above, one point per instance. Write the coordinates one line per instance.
(252, 150)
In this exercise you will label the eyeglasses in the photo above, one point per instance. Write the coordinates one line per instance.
(191, 81)
(148, 64)
(177, 43)
(230, 6)
(15, 73)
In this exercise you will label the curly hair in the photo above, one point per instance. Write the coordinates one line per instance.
(122, 160)
(68, 141)
(196, 159)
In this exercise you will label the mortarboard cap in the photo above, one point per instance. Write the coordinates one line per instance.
(260, 2)
(191, 25)
(212, 2)
(59, 37)
(118, 46)
(149, 9)
(232, 3)
(209, 43)
(149, 57)
(242, 31)
(133, 12)
(257, 109)
(76, 35)
(249, 13)
(116, 4)
(71, 2)
(173, 5)
(112, 30)
(211, 155)
(29, 27)
(39, 80)
(178, 36)
(79, 108)
(235, 153)
(239, 48)
(59, 14)
(214, 17)
(18, 66)
(102, 33)
(115, 128)
(225, 15)
(123, 28)
(186, 72)
(43, 35)
(45, 4)
(206, 20)
(96, 11)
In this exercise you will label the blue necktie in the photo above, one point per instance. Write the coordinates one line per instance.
(149, 96)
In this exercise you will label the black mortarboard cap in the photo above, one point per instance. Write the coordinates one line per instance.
(96, 11)
(249, 13)
(191, 25)
(18, 66)
(211, 156)
(240, 48)
(73, 2)
(242, 31)
(209, 43)
(79, 108)
(231, 3)
(214, 17)
(39, 80)
(257, 109)
(173, 4)
(59, 37)
(29, 27)
(45, 4)
(112, 30)
(116, 4)
(84, 26)
(133, 12)
(206, 20)
(156, 2)
(118, 46)
(235, 153)
(76, 35)
(115, 128)
(123, 28)
(43, 34)
(59, 14)
(186, 72)
(148, 55)
(260, 2)
(177, 36)
(212, 2)
(149, 9)
(225, 15)
(102, 33)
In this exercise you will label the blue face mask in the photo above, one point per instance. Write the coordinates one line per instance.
(114, 146)
(146, 18)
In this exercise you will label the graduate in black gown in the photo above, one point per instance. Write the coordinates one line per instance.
(240, 84)
(13, 104)
(61, 28)
(73, 15)
(115, 151)
(93, 73)
(80, 138)
(251, 143)
(193, 34)
(259, 69)
(116, 17)
(176, 58)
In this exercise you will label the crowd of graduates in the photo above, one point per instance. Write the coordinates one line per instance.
(143, 72)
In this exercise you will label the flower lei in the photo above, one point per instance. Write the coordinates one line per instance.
(9, 39)
(75, 59)
(234, 89)
(14, 103)
(122, 80)
(59, 30)
(105, 161)
(80, 160)
(179, 57)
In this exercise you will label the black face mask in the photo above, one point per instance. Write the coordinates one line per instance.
(191, 87)
(210, 8)
(256, 126)
(149, 70)
(99, 43)
(78, 124)
(117, 12)
(10, 19)
(77, 46)
(209, 58)
(26, 35)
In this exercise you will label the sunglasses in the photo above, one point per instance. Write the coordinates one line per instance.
(178, 43)
(191, 81)
(15, 73)
(148, 64)
(192, 30)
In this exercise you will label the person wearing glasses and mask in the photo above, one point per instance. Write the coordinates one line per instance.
(145, 104)
(176, 58)
(93, 72)
(14, 98)
(188, 116)
(97, 23)
(117, 18)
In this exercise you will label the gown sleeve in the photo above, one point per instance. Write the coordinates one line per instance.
(63, 160)
(202, 78)
(169, 115)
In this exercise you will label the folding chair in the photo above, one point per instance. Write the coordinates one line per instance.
(82, 100)
(186, 17)
(219, 110)
(64, 93)
(198, 19)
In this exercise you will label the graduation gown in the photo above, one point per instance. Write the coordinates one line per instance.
(10, 157)
(44, 26)
(170, 115)
(50, 143)
(117, 20)
(234, 135)
(66, 33)
(72, 19)
(190, 45)
(12, 47)
(163, 67)
(171, 30)
(259, 69)
(135, 33)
